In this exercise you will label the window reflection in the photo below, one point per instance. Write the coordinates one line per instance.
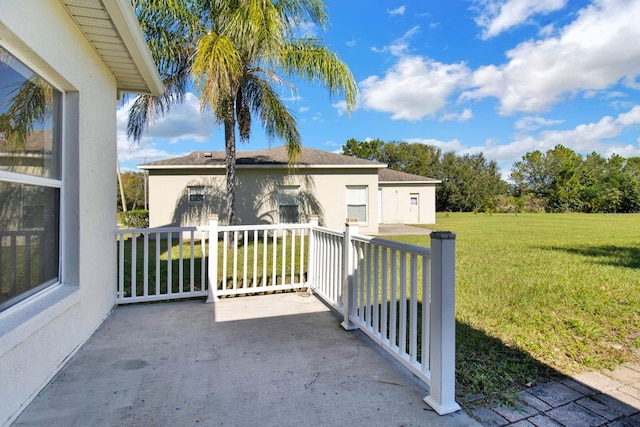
(28, 239)
(30, 146)
(29, 121)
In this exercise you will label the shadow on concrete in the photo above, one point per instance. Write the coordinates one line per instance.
(277, 360)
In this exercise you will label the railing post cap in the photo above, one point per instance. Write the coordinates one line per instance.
(313, 217)
(213, 216)
(351, 221)
(443, 235)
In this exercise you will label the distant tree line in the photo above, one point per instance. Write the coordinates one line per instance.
(469, 182)
(559, 180)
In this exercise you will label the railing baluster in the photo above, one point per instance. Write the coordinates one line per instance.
(121, 268)
(274, 265)
(235, 260)
(245, 252)
(180, 263)
(169, 263)
(283, 273)
(292, 270)
(402, 340)
(225, 248)
(158, 243)
(145, 265)
(255, 258)
(385, 298)
(192, 260)
(426, 313)
(376, 289)
(394, 308)
(413, 312)
(134, 284)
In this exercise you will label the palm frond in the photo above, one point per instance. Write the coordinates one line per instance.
(308, 59)
(273, 114)
(217, 70)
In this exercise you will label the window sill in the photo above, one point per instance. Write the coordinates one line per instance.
(19, 322)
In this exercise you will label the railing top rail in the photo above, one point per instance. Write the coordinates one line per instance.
(329, 231)
(258, 227)
(404, 247)
(155, 230)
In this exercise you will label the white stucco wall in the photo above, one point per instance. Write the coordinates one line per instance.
(39, 334)
(168, 195)
(396, 207)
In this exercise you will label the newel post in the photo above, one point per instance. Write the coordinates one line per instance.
(442, 353)
(213, 259)
(349, 274)
(313, 262)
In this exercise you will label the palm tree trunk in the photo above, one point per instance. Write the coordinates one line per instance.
(230, 150)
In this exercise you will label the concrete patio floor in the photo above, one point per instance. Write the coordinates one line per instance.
(275, 360)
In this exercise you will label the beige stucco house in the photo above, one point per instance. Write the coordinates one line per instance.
(186, 190)
(57, 215)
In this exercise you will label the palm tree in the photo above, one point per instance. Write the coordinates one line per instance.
(237, 55)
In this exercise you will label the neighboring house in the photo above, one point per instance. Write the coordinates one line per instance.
(57, 204)
(186, 190)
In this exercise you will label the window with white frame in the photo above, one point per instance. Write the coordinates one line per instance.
(30, 181)
(289, 204)
(196, 194)
(357, 201)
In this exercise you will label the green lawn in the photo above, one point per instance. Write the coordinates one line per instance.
(539, 294)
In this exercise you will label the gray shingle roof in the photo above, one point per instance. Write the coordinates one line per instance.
(271, 157)
(390, 175)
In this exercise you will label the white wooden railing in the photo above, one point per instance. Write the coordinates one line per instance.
(172, 267)
(402, 296)
(257, 258)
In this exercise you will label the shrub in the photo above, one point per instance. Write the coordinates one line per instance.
(138, 218)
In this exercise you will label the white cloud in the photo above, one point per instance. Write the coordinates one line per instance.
(497, 16)
(351, 43)
(445, 146)
(530, 123)
(465, 115)
(307, 29)
(585, 138)
(397, 11)
(340, 107)
(592, 53)
(400, 46)
(413, 88)
(303, 109)
(184, 122)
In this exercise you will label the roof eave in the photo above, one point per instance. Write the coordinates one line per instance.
(125, 24)
(261, 166)
(410, 182)
(125, 21)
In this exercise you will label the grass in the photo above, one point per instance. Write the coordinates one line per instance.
(542, 294)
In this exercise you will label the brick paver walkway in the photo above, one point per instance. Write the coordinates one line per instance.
(587, 400)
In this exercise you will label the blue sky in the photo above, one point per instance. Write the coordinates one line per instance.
(501, 77)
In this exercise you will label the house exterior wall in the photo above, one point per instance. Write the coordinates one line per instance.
(396, 203)
(322, 192)
(38, 334)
